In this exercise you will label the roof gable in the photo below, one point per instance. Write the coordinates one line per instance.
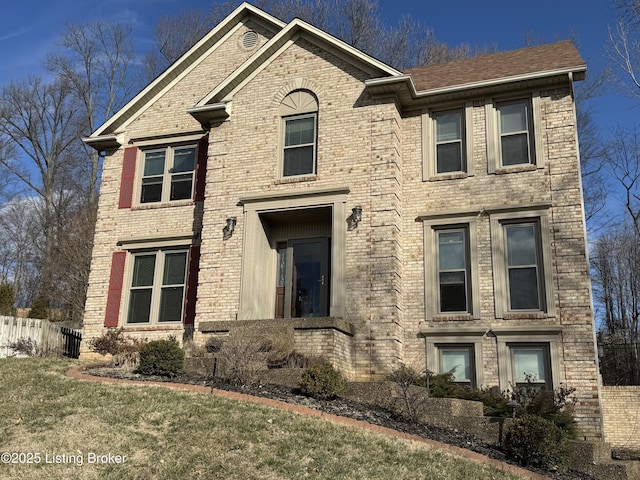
(294, 30)
(181, 67)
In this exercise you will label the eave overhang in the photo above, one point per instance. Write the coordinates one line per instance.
(103, 143)
(207, 114)
(404, 90)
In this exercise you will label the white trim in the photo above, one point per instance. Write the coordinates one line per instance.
(186, 63)
(282, 41)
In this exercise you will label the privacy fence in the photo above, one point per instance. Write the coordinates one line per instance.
(45, 337)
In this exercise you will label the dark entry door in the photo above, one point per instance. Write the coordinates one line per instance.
(303, 278)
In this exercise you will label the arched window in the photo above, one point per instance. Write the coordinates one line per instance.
(299, 113)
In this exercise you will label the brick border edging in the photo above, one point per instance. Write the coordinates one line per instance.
(78, 373)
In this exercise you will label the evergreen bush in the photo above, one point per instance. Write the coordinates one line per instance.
(161, 357)
(7, 299)
(322, 381)
(40, 308)
(534, 441)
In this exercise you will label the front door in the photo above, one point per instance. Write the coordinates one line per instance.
(303, 278)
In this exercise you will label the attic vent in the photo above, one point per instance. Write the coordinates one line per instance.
(249, 40)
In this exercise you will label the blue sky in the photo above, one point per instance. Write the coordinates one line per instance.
(30, 28)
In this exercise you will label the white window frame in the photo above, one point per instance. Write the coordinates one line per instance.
(313, 144)
(167, 174)
(498, 221)
(156, 287)
(299, 103)
(432, 225)
(535, 133)
(430, 144)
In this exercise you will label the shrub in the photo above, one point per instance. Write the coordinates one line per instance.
(243, 355)
(406, 381)
(161, 357)
(25, 346)
(123, 349)
(40, 308)
(7, 299)
(322, 381)
(535, 441)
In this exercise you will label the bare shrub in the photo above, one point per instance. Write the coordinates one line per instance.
(25, 346)
(243, 355)
(409, 396)
(124, 350)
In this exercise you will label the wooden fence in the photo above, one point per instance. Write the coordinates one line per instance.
(49, 338)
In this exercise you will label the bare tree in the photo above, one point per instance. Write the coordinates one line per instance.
(94, 62)
(357, 22)
(41, 120)
(623, 46)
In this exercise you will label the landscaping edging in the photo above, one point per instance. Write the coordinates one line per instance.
(78, 372)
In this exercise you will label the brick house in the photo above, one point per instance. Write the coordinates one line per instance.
(275, 175)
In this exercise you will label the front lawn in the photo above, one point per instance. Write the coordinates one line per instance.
(61, 424)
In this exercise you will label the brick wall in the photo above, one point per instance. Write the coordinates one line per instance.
(621, 416)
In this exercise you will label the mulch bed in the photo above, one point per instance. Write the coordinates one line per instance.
(344, 407)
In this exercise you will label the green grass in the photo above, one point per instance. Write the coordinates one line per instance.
(168, 434)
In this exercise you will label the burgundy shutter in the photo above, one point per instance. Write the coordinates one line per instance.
(112, 312)
(192, 285)
(128, 177)
(201, 168)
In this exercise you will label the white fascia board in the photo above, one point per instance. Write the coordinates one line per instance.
(472, 85)
(237, 16)
(282, 41)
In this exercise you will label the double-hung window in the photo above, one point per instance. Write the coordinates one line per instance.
(451, 267)
(168, 174)
(450, 149)
(516, 145)
(299, 134)
(523, 263)
(521, 251)
(453, 270)
(447, 148)
(157, 291)
(299, 156)
(514, 134)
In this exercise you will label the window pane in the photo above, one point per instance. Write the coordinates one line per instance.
(451, 250)
(174, 268)
(171, 304)
(181, 186)
(523, 288)
(529, 362)
(448, 126)
(300, 131)
(453, 298)
(457, 360)
(143, 268)
(513, 117)
(515, 149)
(449, 157)
(184, 160)
(298, 161)
(139, 306)
(151, 190)
(521, 245)
(154, 163)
